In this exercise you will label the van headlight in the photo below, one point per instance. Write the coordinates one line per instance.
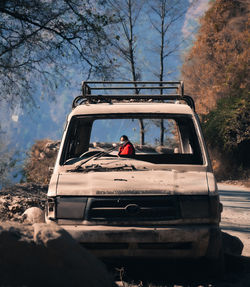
(69, 207)
(200, 206)
(195, 206)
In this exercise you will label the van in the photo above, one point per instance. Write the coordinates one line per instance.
(162, 201)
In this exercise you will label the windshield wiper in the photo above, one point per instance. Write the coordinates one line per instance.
(95, 156)
(97, 167)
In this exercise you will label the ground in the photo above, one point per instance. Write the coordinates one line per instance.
(236, 213)
(235, 221)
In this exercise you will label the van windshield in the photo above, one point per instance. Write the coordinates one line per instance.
(157, 139)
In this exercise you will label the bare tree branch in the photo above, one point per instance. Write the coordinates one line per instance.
(45, 32)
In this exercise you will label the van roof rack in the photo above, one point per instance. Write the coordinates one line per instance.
(103, 91)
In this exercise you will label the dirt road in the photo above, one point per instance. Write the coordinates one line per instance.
(236, 213)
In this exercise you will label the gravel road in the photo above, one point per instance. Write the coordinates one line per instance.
(236, 213)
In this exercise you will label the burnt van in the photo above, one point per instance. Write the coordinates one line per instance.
(160, 201)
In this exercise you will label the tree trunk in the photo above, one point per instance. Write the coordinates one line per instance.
(133, 70)
(142, 134)
(162, 64)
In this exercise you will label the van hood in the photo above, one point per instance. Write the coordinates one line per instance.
(132, 183)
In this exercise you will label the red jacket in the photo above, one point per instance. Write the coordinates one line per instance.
(127, 149)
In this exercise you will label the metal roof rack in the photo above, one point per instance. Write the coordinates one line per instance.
(96, 92)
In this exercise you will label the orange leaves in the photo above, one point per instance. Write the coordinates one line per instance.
(217, 64)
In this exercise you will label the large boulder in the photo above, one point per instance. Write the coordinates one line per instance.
(46, 255)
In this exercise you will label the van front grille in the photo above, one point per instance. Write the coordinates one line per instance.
(133, 208)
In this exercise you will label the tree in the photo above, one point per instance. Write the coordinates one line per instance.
(124, 45)
(227, 128)
(218, 63)
(123, 38)
(39, 39)
(165, 14)
(216, 72)
(7, 160)
(230, 121)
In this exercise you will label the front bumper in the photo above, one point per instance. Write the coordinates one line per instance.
(191, 242)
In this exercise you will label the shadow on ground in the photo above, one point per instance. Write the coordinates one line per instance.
(159, 273)
(185, 274)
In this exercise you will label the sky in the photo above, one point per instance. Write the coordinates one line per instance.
(20, 128)
(191, 22)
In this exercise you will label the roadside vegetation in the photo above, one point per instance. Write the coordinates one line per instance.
(216, 72)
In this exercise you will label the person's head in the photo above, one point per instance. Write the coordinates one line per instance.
(123, 139)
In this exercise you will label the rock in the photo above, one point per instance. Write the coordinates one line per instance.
(75, 261)
(33, 215)
(14, 200)
(15, 208)
(46, 255)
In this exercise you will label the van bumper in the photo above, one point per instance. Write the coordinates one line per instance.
(191, 242)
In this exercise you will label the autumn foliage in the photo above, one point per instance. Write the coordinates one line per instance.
(218, 64)
(216, 74)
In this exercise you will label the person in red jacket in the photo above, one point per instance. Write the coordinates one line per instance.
(126, 147)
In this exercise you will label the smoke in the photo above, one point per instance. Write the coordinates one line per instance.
(194, 13)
